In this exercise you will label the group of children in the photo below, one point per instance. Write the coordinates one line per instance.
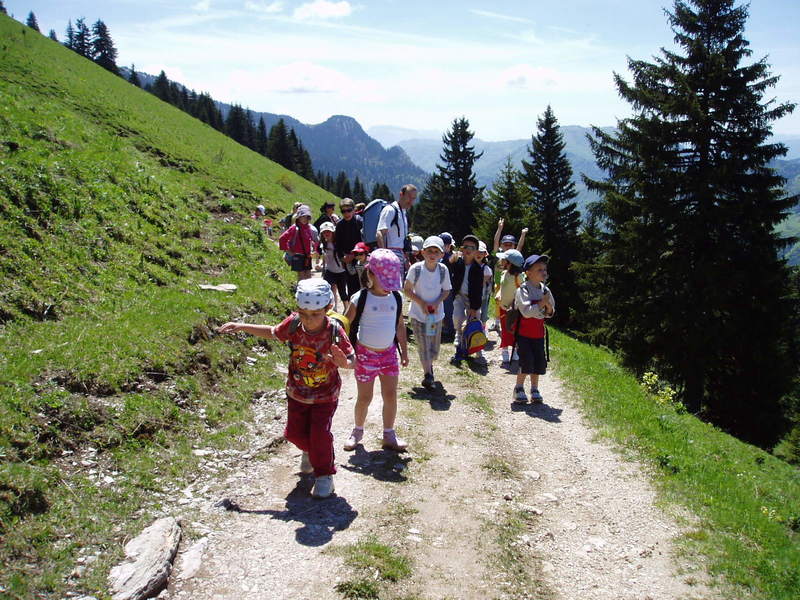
(376, 344)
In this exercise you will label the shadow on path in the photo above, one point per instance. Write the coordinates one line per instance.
(383, 465)
(320, 518)
(539, 411)
(438, 397)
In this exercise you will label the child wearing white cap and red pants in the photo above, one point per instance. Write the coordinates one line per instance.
(319, 348)
(378, 332)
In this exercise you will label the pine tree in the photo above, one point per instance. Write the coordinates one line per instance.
(236, 124)
(359, 193)
(689, 279)
(3, 8)
(342, 186)
(52, 35)
(69, 42)
(261, 137)
(82, 41)
(507, 200)
(556, 220)
(31, 22)
(452, 196)
(278, 148)
(134, 77)
(161, 87)
(103, 51)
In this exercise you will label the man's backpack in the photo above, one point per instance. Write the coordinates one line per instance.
(362, 302)
(474, 337)
(371, 216)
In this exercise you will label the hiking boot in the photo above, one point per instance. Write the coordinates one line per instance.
(305, 464)
(519, 395)
(506, 356)
(427, 381)
(323, 486)
(536, 397)
(354, 439)
(392, 442)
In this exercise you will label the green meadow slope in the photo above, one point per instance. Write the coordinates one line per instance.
(114, 207)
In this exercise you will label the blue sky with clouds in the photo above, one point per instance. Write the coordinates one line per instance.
(413, 63)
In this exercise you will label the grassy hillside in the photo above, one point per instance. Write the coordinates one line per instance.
(114, 207)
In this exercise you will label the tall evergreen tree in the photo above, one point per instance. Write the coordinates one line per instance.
(69, 42)
(261, 137)
(31, 21)
(134, 77)
(236, 124)
(342, 186)
(690, 280)
(278, 145)
(359, 193)
(506, 200)
(3, 8)
(452, 196)
(161, 88)
(381, 190)
(556, 220)
(82, 40)
(52, 35)
(103, 51)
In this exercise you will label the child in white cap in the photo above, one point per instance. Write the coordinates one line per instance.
(319, 348)
(427, 285)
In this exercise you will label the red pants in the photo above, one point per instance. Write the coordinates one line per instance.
(308, 426)
(506, 336)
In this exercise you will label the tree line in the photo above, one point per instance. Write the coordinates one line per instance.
(678, 266)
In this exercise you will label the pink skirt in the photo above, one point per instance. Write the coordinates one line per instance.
(370, 364)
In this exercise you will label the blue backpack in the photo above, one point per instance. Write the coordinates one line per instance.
(370, 216)
(473, 339)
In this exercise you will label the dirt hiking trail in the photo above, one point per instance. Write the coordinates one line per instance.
(490, 501)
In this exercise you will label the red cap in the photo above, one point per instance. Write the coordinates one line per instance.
(361, 247)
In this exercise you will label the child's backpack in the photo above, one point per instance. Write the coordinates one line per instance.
(362, 302)
(341, 319)
(474, 337)
(417, 271)
(371, 215)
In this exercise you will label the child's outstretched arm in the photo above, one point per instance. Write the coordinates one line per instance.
(264, 331)
(497, 234)
(521, 243)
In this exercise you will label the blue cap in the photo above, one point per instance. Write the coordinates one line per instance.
(533, 259)
(446, 238)
(508, 239)
(513, 256)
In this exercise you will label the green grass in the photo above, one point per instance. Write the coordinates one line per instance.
(479, 402)
(114, 207)
(747, 501)
(376, 565)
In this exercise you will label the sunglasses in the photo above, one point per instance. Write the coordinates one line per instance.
(344, 210)
(469, 247)
(359, 253)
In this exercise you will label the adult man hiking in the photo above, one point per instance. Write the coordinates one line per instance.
(393, 223)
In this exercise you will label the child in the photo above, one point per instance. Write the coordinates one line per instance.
(508, 241)
(299, 242)
(510, 280)
(467, 278)
(333, 270)
(318, 347)
(427, 285)
(535, 303)
(488, 281)
(377, 331)
(360, 254)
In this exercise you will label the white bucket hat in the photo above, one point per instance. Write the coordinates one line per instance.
(313, 294)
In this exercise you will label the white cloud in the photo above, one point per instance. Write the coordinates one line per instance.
(202, 6)
(264, 7)
(322, 9)
(498, 16)
(526, 77)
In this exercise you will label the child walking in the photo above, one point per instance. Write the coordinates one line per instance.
(535, 302)
(319, 347)
(510, 280)
(427, 285)
(377, 331)
(333, 270)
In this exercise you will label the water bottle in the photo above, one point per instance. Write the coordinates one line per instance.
(430, 322)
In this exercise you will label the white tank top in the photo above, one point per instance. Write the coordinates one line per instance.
(377, 327)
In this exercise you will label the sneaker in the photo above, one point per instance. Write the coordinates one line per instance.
(506, 355)
(323, 486)
(427, 381)
(305, 464)
(536, 397)
(354, 439)
(392, 442)
(519, 395)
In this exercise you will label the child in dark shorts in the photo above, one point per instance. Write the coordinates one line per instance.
(535, 302)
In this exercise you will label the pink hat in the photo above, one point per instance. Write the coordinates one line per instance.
(387, 268)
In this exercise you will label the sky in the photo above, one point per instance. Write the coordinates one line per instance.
(413, 63)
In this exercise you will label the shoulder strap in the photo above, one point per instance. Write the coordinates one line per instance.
(396, 220)
(362, 301)
(442, 273)
(399, 300)
(417, 271)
